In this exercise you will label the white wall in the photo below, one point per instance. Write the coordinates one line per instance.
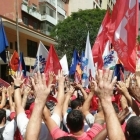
(75, 5)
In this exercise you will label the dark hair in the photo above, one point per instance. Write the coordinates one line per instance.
(75, 120)
(2, 114)
(116, 108)
(81, 98)
(75, 103)
(67, 138)
(133, 127)
(50, 105)
(28, 103)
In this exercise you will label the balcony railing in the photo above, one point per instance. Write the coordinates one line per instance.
(49, 18)
(61, 11)
(30, 11)
(45, 32)
(52, 2)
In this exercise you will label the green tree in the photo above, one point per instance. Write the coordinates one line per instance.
(71, 33)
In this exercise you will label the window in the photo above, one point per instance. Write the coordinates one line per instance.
(25, 20)
(11, 45)
(60, 17)
(60, 4)
(35, 25)
(31, 48)
(51, 13)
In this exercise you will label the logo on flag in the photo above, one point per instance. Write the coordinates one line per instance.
(41, 62)
(41, 58)
(110, 60)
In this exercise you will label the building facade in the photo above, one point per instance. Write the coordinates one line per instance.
(35, 20)
(75, 5)
(104, 4)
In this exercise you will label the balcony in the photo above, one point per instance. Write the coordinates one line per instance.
(45, 32)
(24, 7)
(49, 19)
(52, 2)
(35, 14)
(30, 11)
(61, 11)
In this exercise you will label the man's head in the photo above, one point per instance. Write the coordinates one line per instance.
(2, 116)
(67, 138)
(133, 128)
(75, 120)
(76, 104)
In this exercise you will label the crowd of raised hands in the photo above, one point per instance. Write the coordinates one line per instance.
(37, 108)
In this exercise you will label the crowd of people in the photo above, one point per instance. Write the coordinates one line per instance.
(58, 109)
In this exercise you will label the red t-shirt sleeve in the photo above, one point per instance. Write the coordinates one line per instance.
(57, 133)
(94, 130)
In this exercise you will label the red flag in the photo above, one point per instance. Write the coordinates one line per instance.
(14, 62)
(53, 63)
(4, 83)
(125, 32)
(99, 45)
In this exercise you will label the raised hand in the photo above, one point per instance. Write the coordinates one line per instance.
(40, 87)
(18, 78)
(51, 77)
(122, 88)
(4, 90)
(138, 78)
(134, 89)
(60, 77)
(70, 91)
(77, 86)
(104, 85)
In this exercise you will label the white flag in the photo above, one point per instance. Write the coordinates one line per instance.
(41, 58)
(110, 60)
(107, 49)
(89, 68)
(64, 65)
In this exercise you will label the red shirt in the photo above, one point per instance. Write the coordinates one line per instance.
(89, 135)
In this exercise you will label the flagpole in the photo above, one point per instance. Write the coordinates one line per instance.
(17, 29)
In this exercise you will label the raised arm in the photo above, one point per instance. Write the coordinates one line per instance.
(86, 105)
(26, 92)
(67, 99)
(42, 91)
(3, 101)
(104, 91)
(79, 86)
(18, 81)
(122, 88)
(10, 92)
(60, 95)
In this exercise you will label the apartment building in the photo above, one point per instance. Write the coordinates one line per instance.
(35, 21)
(104, 4)
(75, 5)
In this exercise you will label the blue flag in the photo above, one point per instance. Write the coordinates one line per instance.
(82, 60)
(75, 61)
(22, 66)
(118, 71)
(3, 42)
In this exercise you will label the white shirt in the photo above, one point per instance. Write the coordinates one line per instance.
(9, 131)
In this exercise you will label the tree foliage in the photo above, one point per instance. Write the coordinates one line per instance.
(71, 33)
